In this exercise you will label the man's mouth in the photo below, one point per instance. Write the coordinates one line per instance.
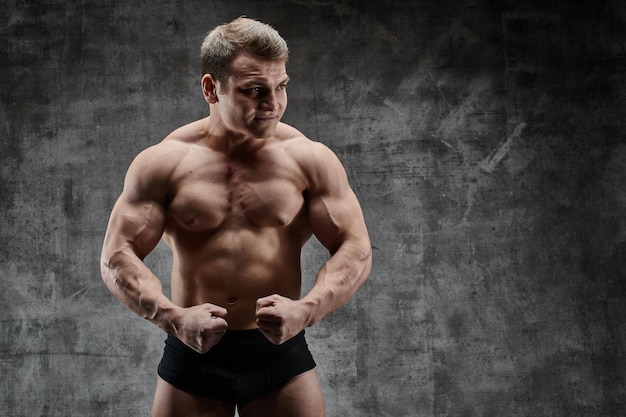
(265, 118)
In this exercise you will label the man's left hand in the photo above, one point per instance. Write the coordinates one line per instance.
(279, 318)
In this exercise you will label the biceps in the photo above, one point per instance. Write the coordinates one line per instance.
(336, 219)
(138, 226)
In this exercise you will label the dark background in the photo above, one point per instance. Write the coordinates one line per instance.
(484, 139)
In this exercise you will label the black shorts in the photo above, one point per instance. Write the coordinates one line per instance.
(242, 367)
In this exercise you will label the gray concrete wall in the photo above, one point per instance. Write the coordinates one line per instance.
(486, 144)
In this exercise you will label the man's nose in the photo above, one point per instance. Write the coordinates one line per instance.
(270, 100)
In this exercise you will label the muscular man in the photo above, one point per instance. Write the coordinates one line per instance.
(236, 196)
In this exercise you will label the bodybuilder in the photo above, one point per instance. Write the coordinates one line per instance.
(235, 196)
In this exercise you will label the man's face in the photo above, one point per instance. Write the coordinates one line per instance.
(255, 97)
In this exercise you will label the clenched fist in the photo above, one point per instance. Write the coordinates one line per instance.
(201, 327)
(280, 318)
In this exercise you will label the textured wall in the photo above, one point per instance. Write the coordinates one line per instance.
(486, 144)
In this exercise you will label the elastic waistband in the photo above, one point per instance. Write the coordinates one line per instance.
(237, 338)
(242, 335)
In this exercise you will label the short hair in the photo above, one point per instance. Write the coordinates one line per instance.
(222, 44)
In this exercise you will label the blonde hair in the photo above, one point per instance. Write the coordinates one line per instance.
(243, 34)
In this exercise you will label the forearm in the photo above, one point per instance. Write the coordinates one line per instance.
(137, 288)
(338, 280)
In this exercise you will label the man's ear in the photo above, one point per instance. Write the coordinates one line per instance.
(209, 88)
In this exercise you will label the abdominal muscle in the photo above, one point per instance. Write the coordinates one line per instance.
(233, 269)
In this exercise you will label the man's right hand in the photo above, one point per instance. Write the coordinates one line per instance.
(201, 327)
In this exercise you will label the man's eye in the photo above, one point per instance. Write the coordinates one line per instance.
(254, 90)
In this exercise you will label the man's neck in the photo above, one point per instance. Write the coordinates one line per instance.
(230, 143)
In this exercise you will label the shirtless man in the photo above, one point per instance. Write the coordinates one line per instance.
(236, 196)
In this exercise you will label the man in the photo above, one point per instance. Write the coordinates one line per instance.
(236, 196)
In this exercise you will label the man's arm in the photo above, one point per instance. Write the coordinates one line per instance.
(336, 219)
(135, 228)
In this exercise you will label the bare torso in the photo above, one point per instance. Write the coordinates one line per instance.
(235, 221)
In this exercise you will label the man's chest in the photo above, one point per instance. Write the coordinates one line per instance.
(265, 193)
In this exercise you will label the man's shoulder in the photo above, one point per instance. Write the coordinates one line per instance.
(286, 133)
(294, 140)
(317, 161)
(162, 158)
(161, 155)
(174, 146)
(185, 135)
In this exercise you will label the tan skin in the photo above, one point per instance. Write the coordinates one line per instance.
(235, 196)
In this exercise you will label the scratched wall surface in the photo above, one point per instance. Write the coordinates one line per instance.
(485, 143)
